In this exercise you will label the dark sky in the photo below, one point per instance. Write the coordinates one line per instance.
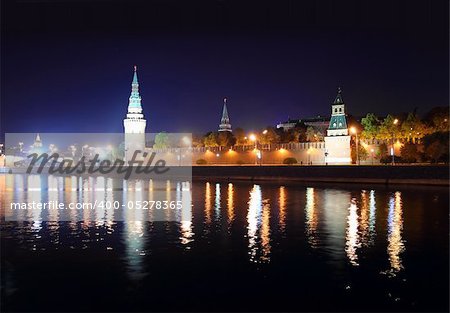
(66, 66)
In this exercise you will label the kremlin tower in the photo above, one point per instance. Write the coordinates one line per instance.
(135, 122)
(225, 125)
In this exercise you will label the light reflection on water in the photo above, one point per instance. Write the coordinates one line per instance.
(325, 226)
(339, 224)
(395, 227)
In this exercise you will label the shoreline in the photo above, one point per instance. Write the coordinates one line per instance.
(431, 175)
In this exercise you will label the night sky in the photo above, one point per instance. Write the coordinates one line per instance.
(66, 66)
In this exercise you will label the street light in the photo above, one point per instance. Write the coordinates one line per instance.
(355, 132)
(392, 148)
(371, 152)
(252, 137)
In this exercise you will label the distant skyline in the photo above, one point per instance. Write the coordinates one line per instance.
(67, 66)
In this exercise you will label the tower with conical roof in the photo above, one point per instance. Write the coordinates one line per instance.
(337, 141)
(37, 141)
(225, 125)
(134, 123)
(338, 120)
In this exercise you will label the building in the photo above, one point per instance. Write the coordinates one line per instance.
(134, 123)
(225, 125)
(318, 122)
(337, 141)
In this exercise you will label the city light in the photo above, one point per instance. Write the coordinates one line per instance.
(353, 130)
(186, 140)
(252, 137)
(264, 132)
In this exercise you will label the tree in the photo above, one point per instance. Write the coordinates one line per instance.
(226, 139)
(382, 150)
(210, 139)
(161, 141)
(437, 147)
(388, 129)
(362, 152)
(313, 134)
(412, 128)
(197, 140)
(438, 119)
(371, 126)
(409, 153)
(270, 137)
(239, 134)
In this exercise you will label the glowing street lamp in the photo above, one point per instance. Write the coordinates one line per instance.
(371, 153)
(393, 139)
(355, 132)
(265, 132)
(252, 137)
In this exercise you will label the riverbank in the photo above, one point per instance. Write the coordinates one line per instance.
(434, 175)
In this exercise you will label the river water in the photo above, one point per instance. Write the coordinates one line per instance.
(246, 246)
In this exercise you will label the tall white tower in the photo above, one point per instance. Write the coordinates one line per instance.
(337, 141)
(135, 122)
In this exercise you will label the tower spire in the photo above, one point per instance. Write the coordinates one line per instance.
(225, 120)
(135, 98)
(338, 99)
(135, 79)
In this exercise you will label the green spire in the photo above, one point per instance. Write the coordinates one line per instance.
(135, 98)
(135, 79)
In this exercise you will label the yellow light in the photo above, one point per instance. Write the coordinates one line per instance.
(353, 130)
(371, 150)
(282, 150)
(265, 131)
(252, 137)
(395, 121)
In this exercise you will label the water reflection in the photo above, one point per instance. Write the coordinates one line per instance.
(339, 228)
(133, 235)
(311, 219)
(395, 227)
(217, 205)
(282, 205)
(207, 203)
(186, 227)
(258, 229)
(230, 204)
(352, 239)
(372, 217)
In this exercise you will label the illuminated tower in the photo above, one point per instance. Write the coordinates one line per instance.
(337, 141)
(338, 121)
(225, 125)
(37, 141)
(135, 122)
